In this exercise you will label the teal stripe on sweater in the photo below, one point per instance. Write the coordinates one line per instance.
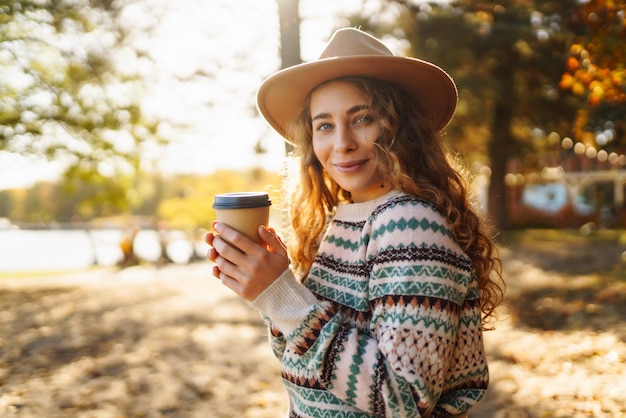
(411, 224)
(346, 291)
(341, 242)
(417, 287)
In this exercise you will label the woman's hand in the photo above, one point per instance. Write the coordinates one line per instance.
(243, 265)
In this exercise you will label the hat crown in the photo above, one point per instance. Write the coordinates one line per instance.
(353, 42)
(353, 53)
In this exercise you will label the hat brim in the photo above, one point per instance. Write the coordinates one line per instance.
(281, 97)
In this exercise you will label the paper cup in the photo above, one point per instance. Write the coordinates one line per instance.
(244, 211)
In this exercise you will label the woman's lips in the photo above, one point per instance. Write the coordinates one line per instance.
(350, 166)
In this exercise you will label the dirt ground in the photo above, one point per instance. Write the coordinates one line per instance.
(172, 342)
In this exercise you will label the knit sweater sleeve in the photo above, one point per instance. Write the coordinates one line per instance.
(408, 361)
(426, 315)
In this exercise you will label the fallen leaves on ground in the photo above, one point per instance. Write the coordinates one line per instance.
(149, 342)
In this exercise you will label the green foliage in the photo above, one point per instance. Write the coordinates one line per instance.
(181, 201)
(62, 96)
(190, 204)
(91, 194)
(508, 59)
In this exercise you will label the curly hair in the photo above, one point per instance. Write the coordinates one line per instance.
(415, 161)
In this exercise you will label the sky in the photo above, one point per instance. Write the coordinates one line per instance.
(210, 120)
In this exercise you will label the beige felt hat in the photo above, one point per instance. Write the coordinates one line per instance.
(352, 52)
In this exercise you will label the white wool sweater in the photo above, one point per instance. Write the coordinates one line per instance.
(388, 321)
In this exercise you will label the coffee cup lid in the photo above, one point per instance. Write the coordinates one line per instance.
(242, 200)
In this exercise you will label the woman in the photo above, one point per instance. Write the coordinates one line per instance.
(378, 306)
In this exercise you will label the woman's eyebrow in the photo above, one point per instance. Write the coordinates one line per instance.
(357, 108)
(351, 111)
(320, 116)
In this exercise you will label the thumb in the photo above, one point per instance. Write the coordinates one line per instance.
(272, 240)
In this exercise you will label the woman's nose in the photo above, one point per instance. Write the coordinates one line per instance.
(344, 140)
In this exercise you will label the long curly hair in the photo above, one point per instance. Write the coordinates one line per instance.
(415, 161)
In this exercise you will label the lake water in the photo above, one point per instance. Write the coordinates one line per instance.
(45, 250)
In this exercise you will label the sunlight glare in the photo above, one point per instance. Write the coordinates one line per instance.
(201, 63)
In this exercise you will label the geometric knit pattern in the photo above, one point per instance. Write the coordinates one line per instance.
(396, 331)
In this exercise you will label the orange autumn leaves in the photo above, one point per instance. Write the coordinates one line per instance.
(595, 68)
(598, 83)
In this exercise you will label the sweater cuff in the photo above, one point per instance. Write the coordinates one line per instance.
(286, 302)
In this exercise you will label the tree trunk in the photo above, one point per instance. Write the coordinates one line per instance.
(289, 21)
(499, 155)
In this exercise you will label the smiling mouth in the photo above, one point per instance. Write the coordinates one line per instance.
(350, 166)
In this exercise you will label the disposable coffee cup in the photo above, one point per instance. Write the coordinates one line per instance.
(244, 211)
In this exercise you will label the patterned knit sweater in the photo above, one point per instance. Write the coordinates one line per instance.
(388, 323)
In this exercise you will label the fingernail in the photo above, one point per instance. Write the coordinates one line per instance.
(218, 227)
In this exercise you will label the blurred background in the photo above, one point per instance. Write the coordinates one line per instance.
(121, 119)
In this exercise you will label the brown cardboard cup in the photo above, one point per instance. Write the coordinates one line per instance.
(244, 211)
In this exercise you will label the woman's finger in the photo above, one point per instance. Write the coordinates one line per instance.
(273, 241)
(216, 272)
(228, 259)
(231, 283)
(241, 264)
(226, 249)
(235, 238)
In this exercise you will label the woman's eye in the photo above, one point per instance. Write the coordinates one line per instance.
(363, 119)
(324, 127)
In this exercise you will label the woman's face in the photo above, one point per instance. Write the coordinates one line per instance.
(345, 130)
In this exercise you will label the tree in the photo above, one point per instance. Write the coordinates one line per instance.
(289, 22)
(187, 204)
(507, 59)
(63, 95)
(596, 74)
